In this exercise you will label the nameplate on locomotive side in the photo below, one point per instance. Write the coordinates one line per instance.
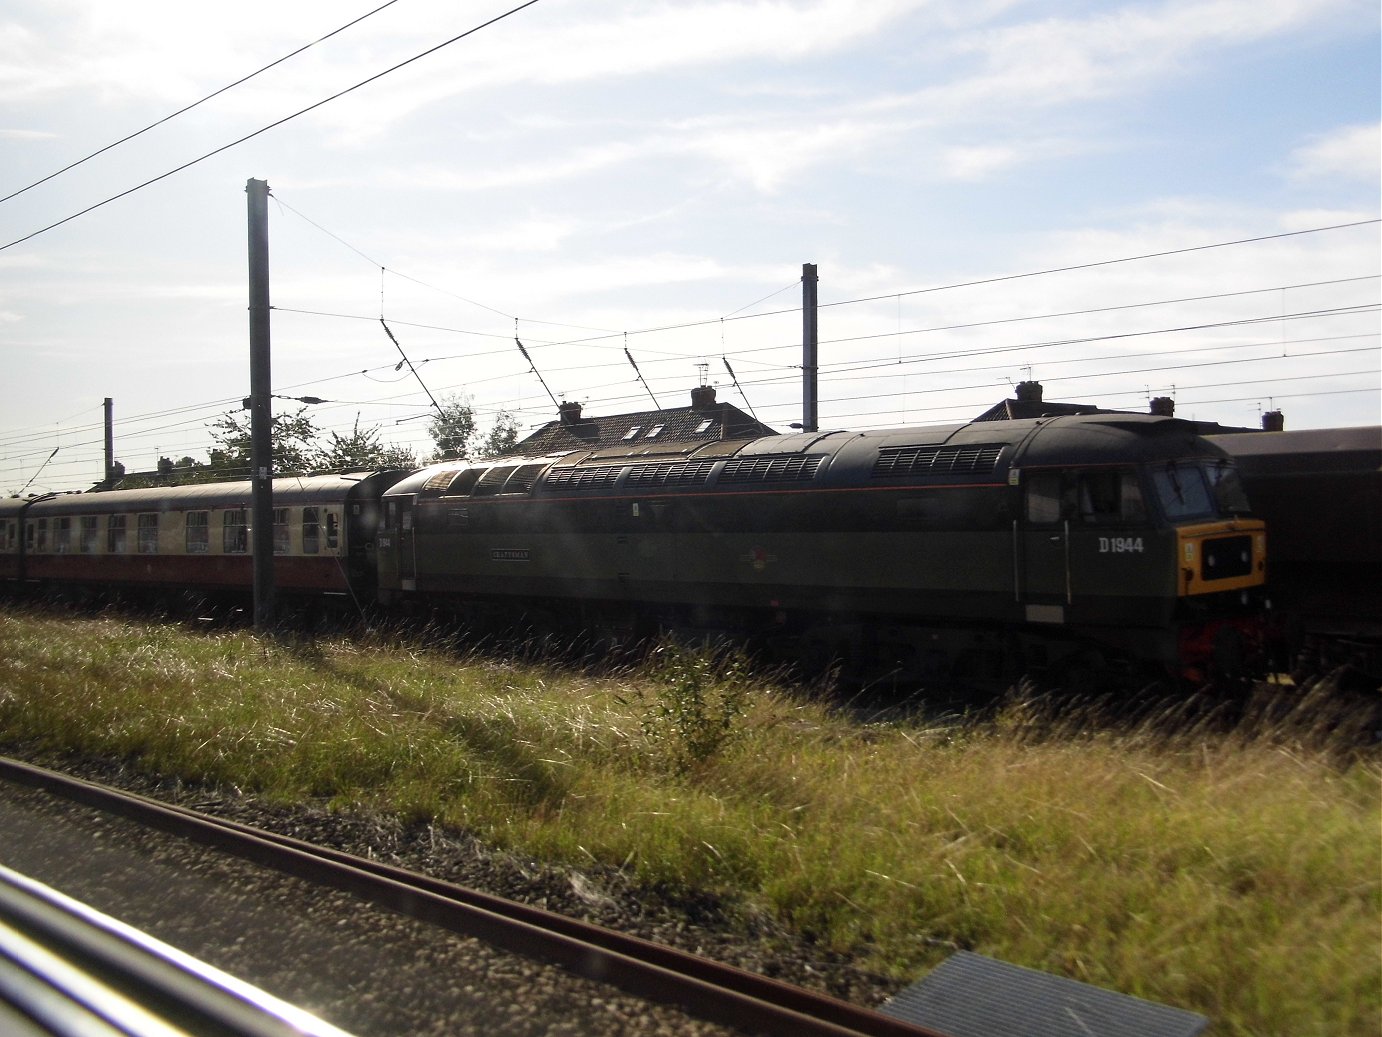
(508, 554)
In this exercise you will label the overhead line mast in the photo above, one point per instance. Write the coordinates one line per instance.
(261, 414)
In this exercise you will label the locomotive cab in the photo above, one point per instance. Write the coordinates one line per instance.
(1162, 551)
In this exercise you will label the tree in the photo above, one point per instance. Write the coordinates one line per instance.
(362, 449)
(453, 427)
(502, 438)
(293, 438)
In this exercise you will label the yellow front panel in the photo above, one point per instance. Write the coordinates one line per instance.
(1238, 547)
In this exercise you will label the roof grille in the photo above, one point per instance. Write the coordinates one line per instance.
(597, 477)
(491, 482)
(784, 468)
(930, 460)
(669, 473)
(438, 480)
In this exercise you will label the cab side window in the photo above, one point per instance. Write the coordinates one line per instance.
(1109, 496)
(1043, 497)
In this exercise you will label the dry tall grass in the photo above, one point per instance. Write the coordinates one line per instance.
(1225, 862)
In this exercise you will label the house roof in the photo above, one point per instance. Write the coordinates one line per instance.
(669, 430)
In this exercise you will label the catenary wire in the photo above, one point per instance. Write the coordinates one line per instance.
(273, 125)
(194, 104)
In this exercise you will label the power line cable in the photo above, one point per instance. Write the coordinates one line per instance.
(272, 125)
(194, 104)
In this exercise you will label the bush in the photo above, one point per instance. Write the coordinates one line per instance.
(690, 702)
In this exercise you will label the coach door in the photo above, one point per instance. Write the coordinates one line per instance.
(407, 545)
(1041, 544)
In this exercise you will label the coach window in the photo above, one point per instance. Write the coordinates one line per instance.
(198, 538)
(311, 531)
(42, 534)
(234, 533)
(90, 534)
(148, 533)
(332, 531)
(62, 536)
(116, 543)
(283, 539)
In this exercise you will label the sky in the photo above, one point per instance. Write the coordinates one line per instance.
(1121, 200)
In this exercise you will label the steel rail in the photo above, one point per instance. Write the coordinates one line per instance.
(704, 988)
(70, 970)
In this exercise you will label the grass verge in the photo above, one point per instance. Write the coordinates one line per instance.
(1228, 868)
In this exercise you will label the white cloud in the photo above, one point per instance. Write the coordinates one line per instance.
(1063, 60)
(1354, 152)
(976, 163)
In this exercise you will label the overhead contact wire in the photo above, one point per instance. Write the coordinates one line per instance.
(272, 125)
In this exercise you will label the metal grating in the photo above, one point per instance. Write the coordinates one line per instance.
(464, 482)
(931, 460)
(784, 468)
(438, 480)
(969, 995)
(598, 477)
(669, 473)
(524, 478)
(491, 482)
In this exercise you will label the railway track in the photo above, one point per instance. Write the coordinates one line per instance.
(699, 986)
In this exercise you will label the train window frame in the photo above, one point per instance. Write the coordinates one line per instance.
(197, 532)
(1043, 498)
(1226, 486)
(311, 531)
(89, 534)
(41, 542)
(283, 532)
(62, 535)
(1121, 504)
(333, 530)
(234, 532)
(1182, 491)
(146, 533)
(117, 539)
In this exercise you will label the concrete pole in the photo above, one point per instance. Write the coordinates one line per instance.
(809, 419)
(261, 413)
(110, 442)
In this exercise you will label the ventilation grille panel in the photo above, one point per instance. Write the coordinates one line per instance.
(936, 460)
(786, 468)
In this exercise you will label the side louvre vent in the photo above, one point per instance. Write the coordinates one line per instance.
(669, 473)
(790, 468)
(936, 460)
(599, 477)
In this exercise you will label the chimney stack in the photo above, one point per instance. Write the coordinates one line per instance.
(1164, 406)
(703, 397)
(570, 412)
(1273, 421)
(1029, 392)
